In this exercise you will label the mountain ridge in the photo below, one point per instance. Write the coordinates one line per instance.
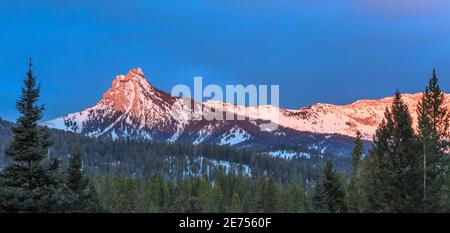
(133, 108)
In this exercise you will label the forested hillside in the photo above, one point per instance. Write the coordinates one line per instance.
(144, 158)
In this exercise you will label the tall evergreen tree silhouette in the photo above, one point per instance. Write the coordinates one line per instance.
(433, 129)
(393, 168)
(334, 192)
(84, 198)
(319, 198)
(31, 182)
(354, 192)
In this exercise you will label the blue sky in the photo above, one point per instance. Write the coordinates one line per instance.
(329, 51)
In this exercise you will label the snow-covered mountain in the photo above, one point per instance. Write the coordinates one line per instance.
(130, 108)
(133, 108)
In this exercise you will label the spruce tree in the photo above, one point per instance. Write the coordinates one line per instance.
(445, 191)
(159, 191)
(308, 198)
(333, 189)
(30, 183)
(298, 202)
(85, 198)
(354, 192)
(194, 205)
(75, 179)
(170, 200)
(270, 196)
(248, 204)
(260, 187)
(375, 169)
(218, 199)
(392, 179)
(405, 160)
(286, 200)
(319, 197)
(433, 129)
(235, 204)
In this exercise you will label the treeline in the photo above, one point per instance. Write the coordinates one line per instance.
(226, 194)
(145, 158)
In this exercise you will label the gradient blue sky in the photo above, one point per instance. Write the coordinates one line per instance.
(330, 51)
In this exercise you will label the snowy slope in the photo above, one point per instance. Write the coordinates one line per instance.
(133, 108)
(363, 115)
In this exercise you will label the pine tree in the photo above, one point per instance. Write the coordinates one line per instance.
(333, 189)
(260, 187)
(374, 169)
(309, 198)
(235, 204)
(392, 173)
(75, 179)
(319, 197)
(445, 192)
(298, 202)
(286, 201)
(354, 192)
(170, 200)
(159, 192)
(85, 197)
(193, 198)
(145, 199)
(433, 129)
(270, 196)
(30, 183)
(248, 204)
(91, 200)
(218, 199)
(405, 159)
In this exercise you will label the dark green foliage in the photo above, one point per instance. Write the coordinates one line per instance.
(333, 189)
(5, 138)
(292, 199)
(375, 170)
(329, 194)
(270, 196)
(145, 158)
(445, 192)
(30, 142)
(227, 193)
(392, 169)
(319, 197)
(267, 195)
(235, 204)
(84, 196)
(75, 179)
(433, 131)
(218, 200)
(354, 191)
(31, 182)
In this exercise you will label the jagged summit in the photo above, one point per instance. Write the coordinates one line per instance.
(133, 108)
(135, 74)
